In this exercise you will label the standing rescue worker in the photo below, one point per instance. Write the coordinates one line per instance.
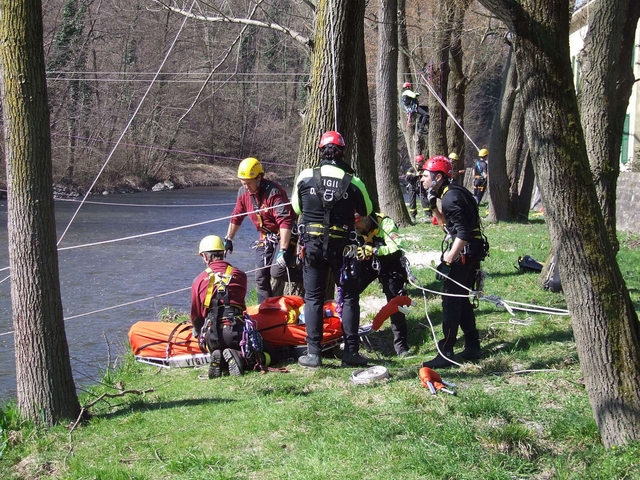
(411, 105)
(273, 217)
(379, 254)
(326, 197)
(217, 308)
(480, 170)
(460, 262)
(415, 190)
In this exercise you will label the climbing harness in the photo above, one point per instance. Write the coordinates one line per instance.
(251, 345)
(216, 292)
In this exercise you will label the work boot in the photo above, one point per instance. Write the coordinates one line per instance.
(234, 360)
(215, 367)
(440, 361)
(471, 353)
(353, 360)
(310, 360)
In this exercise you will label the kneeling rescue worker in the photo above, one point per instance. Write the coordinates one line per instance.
(217, 308)
(460, 262)
(326, 198)
(380, 257)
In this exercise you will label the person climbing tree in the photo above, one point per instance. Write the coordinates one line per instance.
(411, 105)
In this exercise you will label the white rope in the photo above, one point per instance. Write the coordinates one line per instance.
(434, 93)
(433, 333)
(146, 204)
(333, 63)
(168, 229)
(128, 124)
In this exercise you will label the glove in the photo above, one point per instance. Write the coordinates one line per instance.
(443, 269)
(281, 259)
(228, 246)
(365, 252)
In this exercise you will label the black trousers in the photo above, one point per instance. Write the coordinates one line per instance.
(314, 275)
(393, 277)
(265, 256)
(458, 311)
(414, 193)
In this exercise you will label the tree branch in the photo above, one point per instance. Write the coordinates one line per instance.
(298, 37)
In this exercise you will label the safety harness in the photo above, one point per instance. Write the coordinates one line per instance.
(219, 284)
(328, 198)
(478, 232)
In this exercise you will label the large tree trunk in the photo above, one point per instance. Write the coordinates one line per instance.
(386, 159)
(353, 116)
(605, 323)
(607, 80)
(46, 392)
(457, 86)
(500, 206)
(438, 74)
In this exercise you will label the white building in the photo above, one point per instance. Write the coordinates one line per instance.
(631, 133)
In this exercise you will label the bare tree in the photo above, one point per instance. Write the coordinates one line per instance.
(46, 391)
(605, 323)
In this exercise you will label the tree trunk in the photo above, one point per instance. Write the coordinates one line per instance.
(46, 392)
(500, 206)
(353, 116)
(607, 80)
(457, 86)
(386, 158)
(415, 143)
(438, 75)
(605, 323)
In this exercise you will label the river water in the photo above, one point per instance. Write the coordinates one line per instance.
(112, 274)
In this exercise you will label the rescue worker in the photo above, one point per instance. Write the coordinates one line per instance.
(480, 170)
(414, 189)
(438, 218)
(217, 308)
(273, 217)
(326, 198)
(411, 105)
(379, 254)
(460, 262)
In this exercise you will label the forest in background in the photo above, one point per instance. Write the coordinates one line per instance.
(226, 91)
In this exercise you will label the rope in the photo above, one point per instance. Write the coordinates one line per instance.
(446, 109)
(147, 204)
(333, 63)
(128, 123)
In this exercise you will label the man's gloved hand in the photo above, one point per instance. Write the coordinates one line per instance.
(365, 252)
(281, 258)
(443, 269)
(228, 246)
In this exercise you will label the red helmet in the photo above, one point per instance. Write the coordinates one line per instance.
(406, 85)
(331, 137)
(419, 160)
(441, 164)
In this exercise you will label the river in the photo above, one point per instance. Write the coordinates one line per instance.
(112, 274)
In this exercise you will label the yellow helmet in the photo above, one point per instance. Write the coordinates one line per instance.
(453, 156)
(483, 152)
(211, 243)
(249, 168)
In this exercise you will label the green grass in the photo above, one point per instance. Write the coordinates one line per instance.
(318, 425)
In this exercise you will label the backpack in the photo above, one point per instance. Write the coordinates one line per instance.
(529, 264)
(552, 282)
(252, 345)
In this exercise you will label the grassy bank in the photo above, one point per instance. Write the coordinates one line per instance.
(520, 412)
